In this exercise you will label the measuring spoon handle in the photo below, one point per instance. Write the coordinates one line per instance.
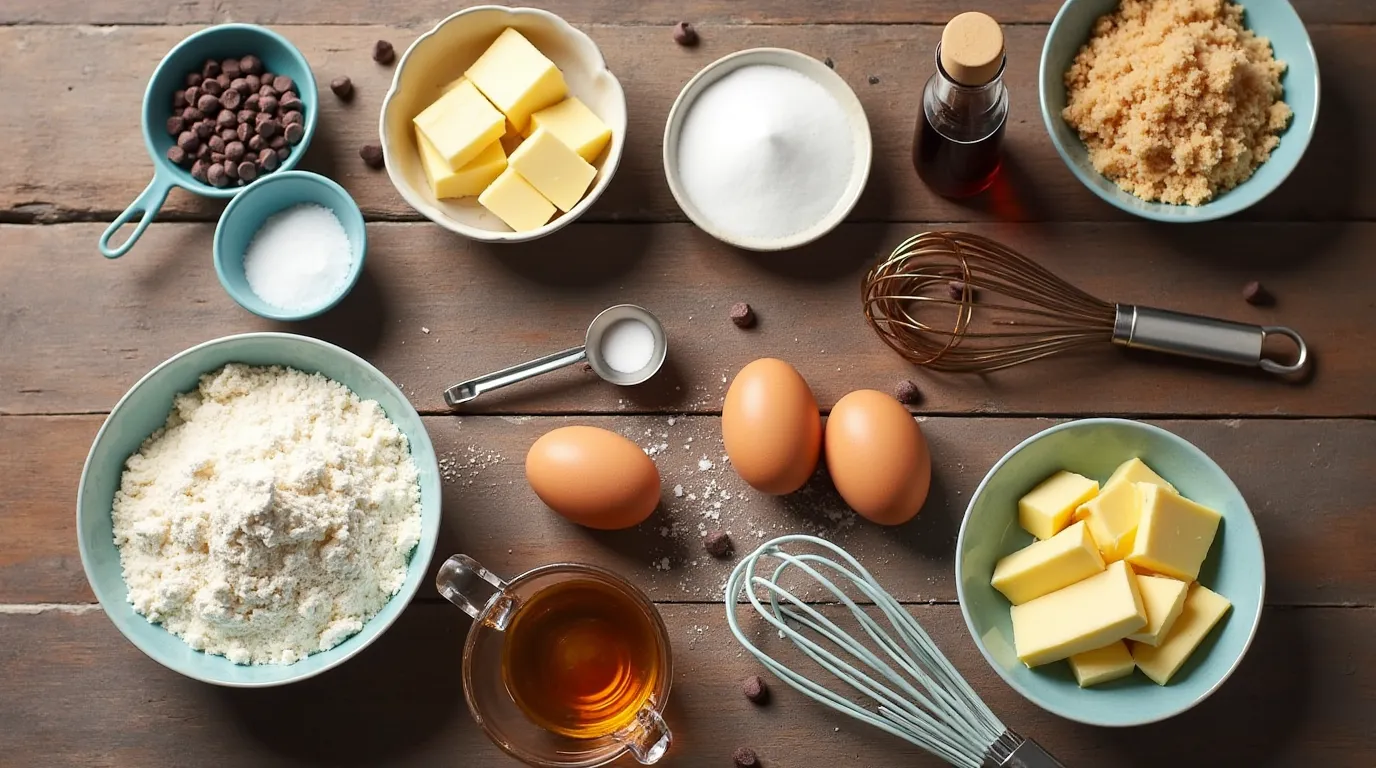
(465, 391)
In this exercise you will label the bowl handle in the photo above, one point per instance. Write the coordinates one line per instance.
(147, 204)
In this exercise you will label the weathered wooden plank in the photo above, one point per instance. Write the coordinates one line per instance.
(77, 694)
(1310, 485)
(62, 74)
(650, 12)
(76, 344)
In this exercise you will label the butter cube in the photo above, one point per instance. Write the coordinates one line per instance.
(467, 181)
(1045, 510)
(1203, 609)
(514, 75)
(1163, 598)
(554, 169)
(515, 202)
(574, 124)
(1137, 471)
(1174, 534)
(1043, 567)
(452, 84)
(460, 124)
(1112, 519)
(1086, 615)
(1102, 664)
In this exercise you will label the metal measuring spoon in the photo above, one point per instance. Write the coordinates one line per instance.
(591, 352)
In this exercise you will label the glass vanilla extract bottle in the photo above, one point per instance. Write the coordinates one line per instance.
(957, 142)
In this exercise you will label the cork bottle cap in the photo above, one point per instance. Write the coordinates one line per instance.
(972, 48)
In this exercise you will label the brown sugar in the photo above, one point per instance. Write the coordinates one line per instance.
(1175, 99)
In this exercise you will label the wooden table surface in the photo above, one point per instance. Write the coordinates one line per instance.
(76, 331)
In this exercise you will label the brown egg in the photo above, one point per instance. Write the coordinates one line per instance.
(771, 427)
(593, 477)
(877, 457)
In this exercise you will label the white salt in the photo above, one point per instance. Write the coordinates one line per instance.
(299, 259)
(765, 152)
(628, 345)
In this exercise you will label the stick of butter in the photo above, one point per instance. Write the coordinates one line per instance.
(1174, 534)
(460, 124)
(515, 202)
(1043, 567)
(1112, 518)
(1045, 510)
(1102, 664)
(1163, 598)
(514, 75)
(1203, 609)
(1086, 615)
(1136, 471)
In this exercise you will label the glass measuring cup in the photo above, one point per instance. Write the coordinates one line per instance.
(592, 352)
(496, 607)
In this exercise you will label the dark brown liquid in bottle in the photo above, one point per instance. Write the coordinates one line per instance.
(955, 168)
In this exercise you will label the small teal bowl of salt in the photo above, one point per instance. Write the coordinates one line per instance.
(290, 246)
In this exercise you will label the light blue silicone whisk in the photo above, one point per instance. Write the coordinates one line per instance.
(913, 691)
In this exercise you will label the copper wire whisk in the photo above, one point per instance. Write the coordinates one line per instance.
(953, 301)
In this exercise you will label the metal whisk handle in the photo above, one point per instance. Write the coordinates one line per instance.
(1014, 751)
(1208, 338)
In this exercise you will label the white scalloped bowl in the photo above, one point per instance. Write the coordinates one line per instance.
(439, 56)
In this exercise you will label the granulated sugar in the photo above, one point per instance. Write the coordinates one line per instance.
(627, 346)
(299, 259)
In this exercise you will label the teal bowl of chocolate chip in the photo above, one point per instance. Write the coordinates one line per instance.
(279, 111)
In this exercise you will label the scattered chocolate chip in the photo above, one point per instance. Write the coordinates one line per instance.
(251, 65)
(685, 35)
(243, 132)
(585, 368)
(907, 392)
(293, 133)
(177, 155)
(231, 99)
(217, 144)
(278, 142)
(231, 67)
(211, 68)
(208, 104)
(175, 125)
(198, 171)
(756, 690)
(248, 171)
(255, 143)
(215, 174)
(830, 64)
(745, 757)
(742, 315)
(718, 544)
(269, 159)
(292, 118)
(268, 104)
(874, 80)
(194, 79)
(383, 52)
(212, 87)
(1255, 293)
(234, 150)
(283, 84)
(253, 82)
(956, 290)
(343, 87)
(179, 100)
(188, 141)
(372, 155)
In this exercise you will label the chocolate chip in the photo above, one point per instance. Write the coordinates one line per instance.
(224, 80)
(956, 290)
(585, 368)
(239, 85)
(718, 544)
(248, 171)
(252, 102)
(255, 143)
(177, 155)
(292, 118)
(830, 64)
(756, 690)
(192, 94)
(226, 120)
(188, 141)
(745, 757)
(231, 169)
(194, 79)
(874, 80)
(231, 67)
(198, 170)
(383, 52)
(215, 174)
(343, 87)
(742, 315)
(231, 99)
(244, 132)
(212, 87)
(372, 155)
(267, 90)
(192, 115)
(267, 104)
(278, 142)
(234, 150)
(289, 101)
(269, 128)
(211, 68)
(179, 100)
(269, 160)
(217, 144)
(1255, 293)
(175, 125)
(265, 78)
(208, 104)
(283, 83)
(254, 83)
(204, 129)
(217, 157)
(283, 154)
(907, 392)
(684, 34)
(293, 134)
(251, 64)
(229, 134)
(203, 151)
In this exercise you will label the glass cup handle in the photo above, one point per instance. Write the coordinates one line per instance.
(480, 593)
(647, 737)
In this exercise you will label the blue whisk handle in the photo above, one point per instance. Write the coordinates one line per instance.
(1014, 751)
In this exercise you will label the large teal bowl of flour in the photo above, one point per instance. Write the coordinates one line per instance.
(1234, 568)
(144, 409)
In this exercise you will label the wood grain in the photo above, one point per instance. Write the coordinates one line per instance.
(77, 694)
(64, 71)
(433, 309)
(1315, 531)
(646, 12)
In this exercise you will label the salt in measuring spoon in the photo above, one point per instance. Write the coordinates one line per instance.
(625, 345)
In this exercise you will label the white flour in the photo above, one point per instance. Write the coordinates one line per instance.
(270, 517)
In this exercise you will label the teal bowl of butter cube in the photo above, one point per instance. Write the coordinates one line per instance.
(1145, 585)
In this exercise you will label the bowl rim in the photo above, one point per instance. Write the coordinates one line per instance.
(1224, 204)
(609, 166)
(352, 212)
(813, 70)
(380, 623)
(1014, 683)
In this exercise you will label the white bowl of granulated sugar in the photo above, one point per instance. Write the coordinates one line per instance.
(767, 149)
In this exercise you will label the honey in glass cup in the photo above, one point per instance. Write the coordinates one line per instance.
(566, 665)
